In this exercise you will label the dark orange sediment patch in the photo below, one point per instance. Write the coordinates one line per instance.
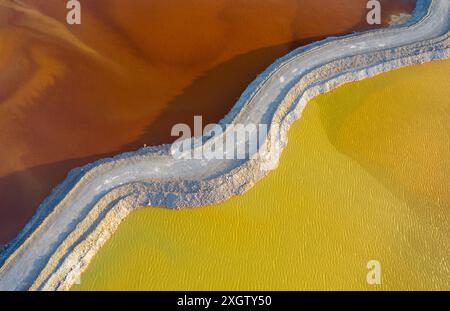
(133, 69)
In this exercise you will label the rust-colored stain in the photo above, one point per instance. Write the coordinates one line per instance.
(129, 72)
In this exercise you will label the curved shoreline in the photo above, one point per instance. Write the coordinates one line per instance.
(81, 214)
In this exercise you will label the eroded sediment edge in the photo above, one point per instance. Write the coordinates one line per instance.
(77, 248)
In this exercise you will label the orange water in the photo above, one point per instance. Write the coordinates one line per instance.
(129, 72)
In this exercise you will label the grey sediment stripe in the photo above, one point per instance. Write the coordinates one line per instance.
(84, 251)
(32, 262)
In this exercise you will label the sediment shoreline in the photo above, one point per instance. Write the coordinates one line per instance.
(85, 210)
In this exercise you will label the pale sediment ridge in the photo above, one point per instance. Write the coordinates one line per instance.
(85, 210)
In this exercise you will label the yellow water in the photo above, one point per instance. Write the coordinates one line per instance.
(365, 176)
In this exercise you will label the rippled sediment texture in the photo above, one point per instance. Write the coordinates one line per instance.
(122, 79)
(365, 176)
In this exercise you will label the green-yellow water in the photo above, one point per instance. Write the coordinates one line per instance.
(366, 175)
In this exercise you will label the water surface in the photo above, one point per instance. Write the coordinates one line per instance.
(365, 176)
(129, 72)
